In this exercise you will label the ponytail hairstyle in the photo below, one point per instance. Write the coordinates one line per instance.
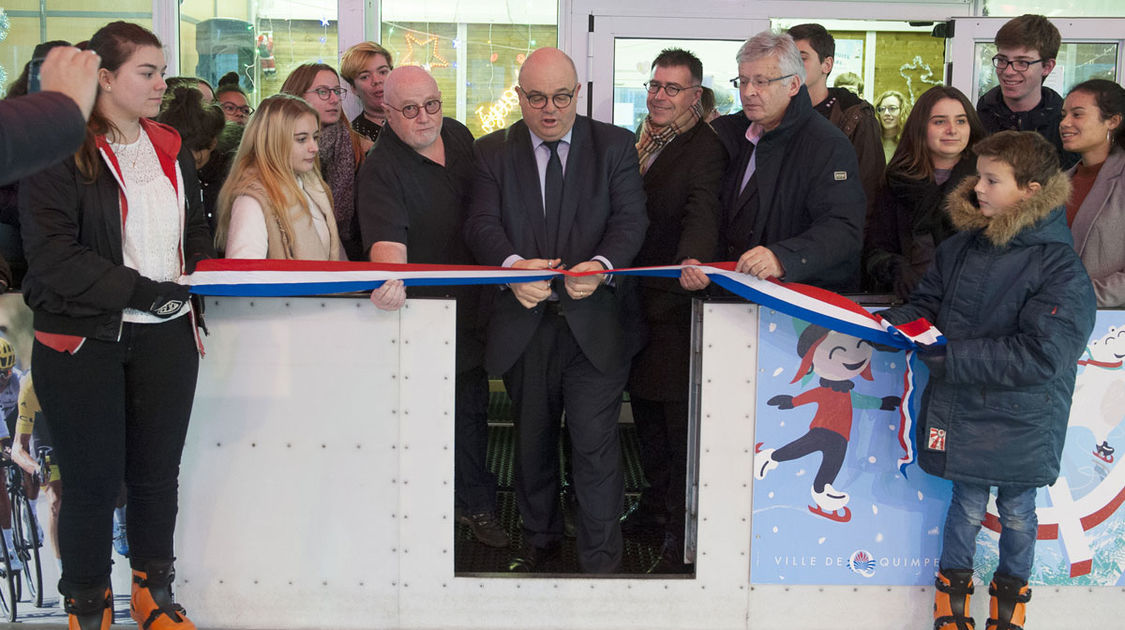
(115, 43)
(199, 125)
(263, 163)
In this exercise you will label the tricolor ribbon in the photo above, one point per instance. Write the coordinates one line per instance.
(281, 278)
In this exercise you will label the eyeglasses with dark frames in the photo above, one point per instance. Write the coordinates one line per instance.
(539, 101)
(410, 112)
(232, 109)
(671, 89)
(323, 92)
(1019, 65)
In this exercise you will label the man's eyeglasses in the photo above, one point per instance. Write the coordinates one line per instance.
(1019, 65)
(323, 92)
(759, 83)
(233, 109)
(409, 112)
(889, 109)
(539, 101)
(671, 89)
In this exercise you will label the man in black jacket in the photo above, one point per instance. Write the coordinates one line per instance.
(682, 162)
(556, 189)
(1026, 48)
(413, 195)
(793, 204)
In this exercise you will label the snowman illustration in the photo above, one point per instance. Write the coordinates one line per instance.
(837, 359)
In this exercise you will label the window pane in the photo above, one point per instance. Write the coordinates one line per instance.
(1076, 63)
(473, 50)
(263, 44)
(632, 61)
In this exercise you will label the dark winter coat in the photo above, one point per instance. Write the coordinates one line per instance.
(1017, 309)
(909, 224)
(808, 204)
(1044, 119)
(856, 118)
(77, 282)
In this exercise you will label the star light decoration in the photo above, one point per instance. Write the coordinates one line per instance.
(436, 60)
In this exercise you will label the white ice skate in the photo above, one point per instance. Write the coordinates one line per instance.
(831, 504)
(763, 463)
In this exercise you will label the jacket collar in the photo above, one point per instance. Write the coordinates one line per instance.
(1002, 229)
(800, 107)
(1049, 104)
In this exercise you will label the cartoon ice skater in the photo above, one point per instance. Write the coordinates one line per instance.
(1099, 392)
(837, 359)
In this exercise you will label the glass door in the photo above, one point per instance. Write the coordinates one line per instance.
(615, 90)
(1091, 49)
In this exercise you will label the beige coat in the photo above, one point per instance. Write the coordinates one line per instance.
(1099, 231)
(303, 243)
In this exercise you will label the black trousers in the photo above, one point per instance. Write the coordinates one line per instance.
(832, 446)
(473, 483)
(662, 433)
(118, 411)
(553, 376)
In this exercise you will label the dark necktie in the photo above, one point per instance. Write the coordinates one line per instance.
(553, 192)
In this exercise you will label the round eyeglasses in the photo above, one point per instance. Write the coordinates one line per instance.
(410, 112)
(539, 101)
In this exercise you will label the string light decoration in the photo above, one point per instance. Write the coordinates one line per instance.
(5, 25)
(436, 60)
(496, 116)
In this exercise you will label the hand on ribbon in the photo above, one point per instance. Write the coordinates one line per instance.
(580, 287)
(390, 296)
(761, 263)
(693, 278)
(530, 294)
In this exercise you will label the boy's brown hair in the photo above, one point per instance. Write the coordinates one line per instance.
(1031, 156)
(1030, 31)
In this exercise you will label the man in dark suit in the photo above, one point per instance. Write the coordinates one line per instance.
(792, 196)
(554, 190)
(682, 162)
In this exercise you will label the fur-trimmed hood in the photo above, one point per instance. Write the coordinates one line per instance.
(1001, 229)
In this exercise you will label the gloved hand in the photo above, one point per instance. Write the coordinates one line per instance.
(191, 261)
(781, 401)
(934, 358)
(163, 299)
(890, 403)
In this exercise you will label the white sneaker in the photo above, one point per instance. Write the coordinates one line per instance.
(763, 463)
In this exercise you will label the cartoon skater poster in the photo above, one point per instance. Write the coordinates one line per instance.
(834, 503)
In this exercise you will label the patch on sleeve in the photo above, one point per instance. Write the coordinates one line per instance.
(840, 175)
(937, 439)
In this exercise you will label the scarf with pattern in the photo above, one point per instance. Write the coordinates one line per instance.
(338, 165)
(652, 138)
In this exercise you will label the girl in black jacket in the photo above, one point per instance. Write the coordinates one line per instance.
(932, 158)
(108, 235)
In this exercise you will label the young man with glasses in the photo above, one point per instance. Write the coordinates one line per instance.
(557, 189)
(850, 113)
(1026, 48)
(413, 193)
(793, 204)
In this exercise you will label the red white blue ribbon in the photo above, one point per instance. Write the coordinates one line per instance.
(280, 278)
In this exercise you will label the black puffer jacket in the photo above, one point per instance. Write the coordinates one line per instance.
(1044, 119)
(1017, 309)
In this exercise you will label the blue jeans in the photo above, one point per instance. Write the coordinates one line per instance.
(1018, 532)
